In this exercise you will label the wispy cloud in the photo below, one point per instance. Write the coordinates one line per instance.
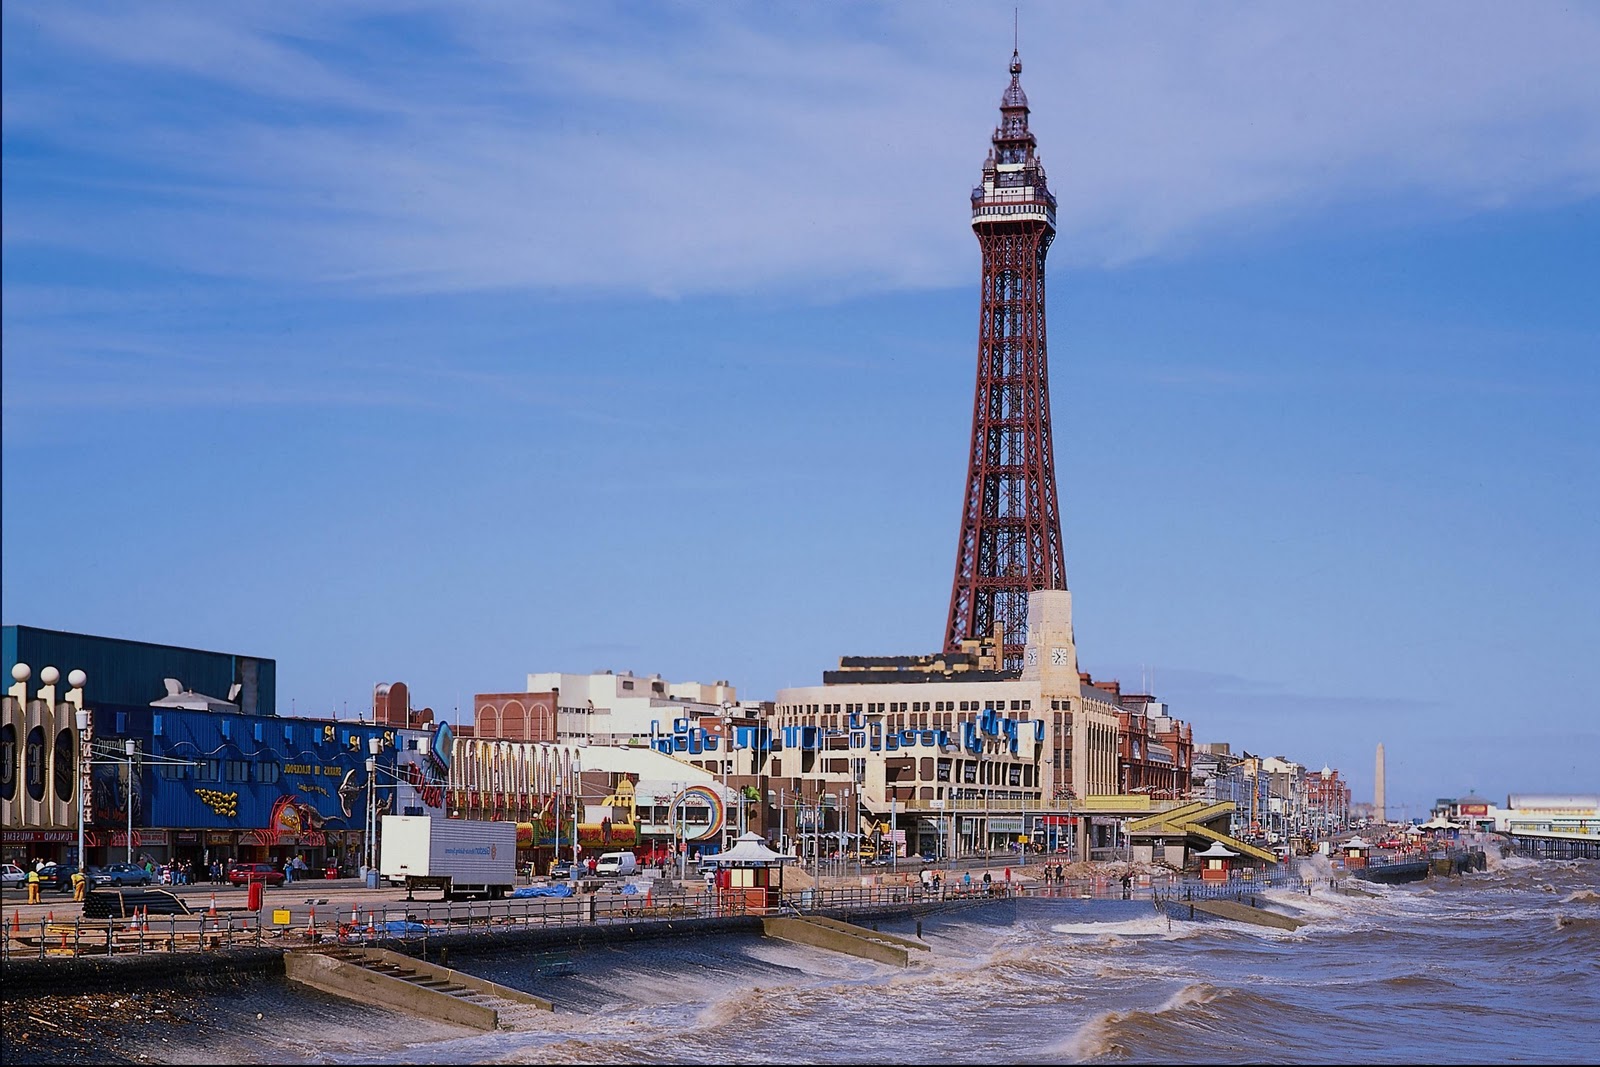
(1200, 694)
(683, 149)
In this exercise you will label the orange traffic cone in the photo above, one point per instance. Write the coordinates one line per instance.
(213, 912)
(50, 918)
(311, 923)
(16, 923)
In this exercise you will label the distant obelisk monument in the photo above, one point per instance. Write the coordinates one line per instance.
(1377, 790)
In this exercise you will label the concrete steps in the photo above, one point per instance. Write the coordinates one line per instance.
(819, 932)
(378, 976)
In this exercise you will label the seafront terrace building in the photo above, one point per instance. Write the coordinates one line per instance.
(1156, 751)
(1219, 777)
(962, 755)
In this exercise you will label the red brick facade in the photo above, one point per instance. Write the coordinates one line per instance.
(515, 716)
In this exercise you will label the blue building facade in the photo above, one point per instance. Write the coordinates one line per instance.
(232, 787)
(204, 787)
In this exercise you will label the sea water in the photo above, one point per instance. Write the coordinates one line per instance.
(1497, 966)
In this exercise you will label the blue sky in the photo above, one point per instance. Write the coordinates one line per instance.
(445, 343)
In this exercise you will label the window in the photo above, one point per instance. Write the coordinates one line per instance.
(155, 725)
(288, 734)
(227, 729)
(268, 772)
(627, 685)
(172, 771)
(258, 733)
(236, 770)
(208, 770)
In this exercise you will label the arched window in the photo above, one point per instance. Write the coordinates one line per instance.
(8, 761)
(33, 763)
(66, 764)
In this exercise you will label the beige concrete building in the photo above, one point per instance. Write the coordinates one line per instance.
(950, 747)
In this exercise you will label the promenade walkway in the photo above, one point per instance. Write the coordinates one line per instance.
(345, 911)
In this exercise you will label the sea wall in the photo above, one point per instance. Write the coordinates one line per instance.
(27, 977)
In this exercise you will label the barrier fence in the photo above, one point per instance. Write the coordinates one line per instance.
(409, 923)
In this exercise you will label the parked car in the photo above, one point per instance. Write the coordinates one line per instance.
(245, 873)
(11, 874)
(119, 874)
(56, 876)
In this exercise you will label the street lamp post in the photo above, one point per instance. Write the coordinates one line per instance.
(844, 834)
(681, 840)
(373, 745)
(894, 829)
(129, 747)
(577, 805)
(727, 756)
(85, 782)
(855, 813)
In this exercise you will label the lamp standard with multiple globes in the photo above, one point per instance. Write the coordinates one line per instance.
(373, 745)
(577, 806)
(85, 782)
(727, 757)
(129, 747)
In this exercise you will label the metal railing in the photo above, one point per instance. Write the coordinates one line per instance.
(403, 923)
(351, 925)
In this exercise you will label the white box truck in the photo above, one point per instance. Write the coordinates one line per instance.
(461, 858)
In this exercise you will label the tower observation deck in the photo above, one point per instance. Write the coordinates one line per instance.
(1010, 541)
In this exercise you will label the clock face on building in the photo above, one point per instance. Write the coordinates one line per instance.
(1058, 656)
(1033, 657)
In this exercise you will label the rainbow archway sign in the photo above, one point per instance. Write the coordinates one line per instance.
(712, 799)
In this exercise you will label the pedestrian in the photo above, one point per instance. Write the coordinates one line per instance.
(288, 871)
(33, 884)
(1127, 887)
(80, 882)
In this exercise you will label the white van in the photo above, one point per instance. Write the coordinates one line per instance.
(616, 864)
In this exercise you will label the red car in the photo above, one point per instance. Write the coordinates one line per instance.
(245, 873)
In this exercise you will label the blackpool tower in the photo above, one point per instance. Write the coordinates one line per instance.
(1010, 541)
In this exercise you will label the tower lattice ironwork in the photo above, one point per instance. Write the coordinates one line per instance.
(1010, 541)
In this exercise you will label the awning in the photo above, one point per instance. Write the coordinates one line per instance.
(750, 851)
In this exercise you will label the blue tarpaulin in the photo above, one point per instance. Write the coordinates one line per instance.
(561, 889)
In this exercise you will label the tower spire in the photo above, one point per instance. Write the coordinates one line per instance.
(1010, 540)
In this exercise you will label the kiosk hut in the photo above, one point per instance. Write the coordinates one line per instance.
(1439, 826)
(1356, 850)
(749, 875)
(1217, 859)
